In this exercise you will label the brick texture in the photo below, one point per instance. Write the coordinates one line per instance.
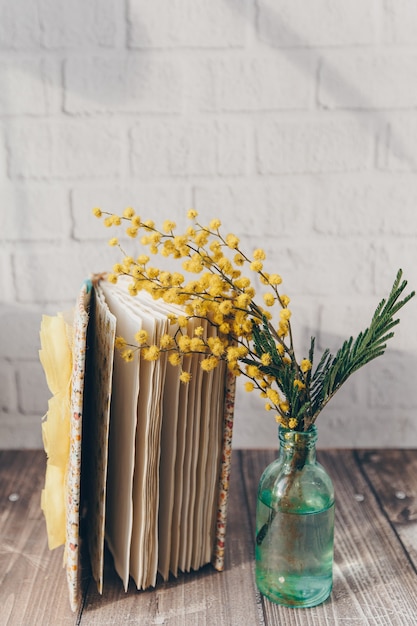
(187, 23)
(368, 80)
(78, 24)
(130, 83)
(294, 123)
(287, 23)
(23, 87)
(19, 26)
(263, 83)
(313, 146)
(34, 213)
(64, 150)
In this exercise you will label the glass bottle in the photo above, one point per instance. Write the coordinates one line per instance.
(295, 524)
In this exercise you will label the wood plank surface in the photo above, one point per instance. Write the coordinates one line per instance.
(375, 580)
(32, 580)
(393, 476)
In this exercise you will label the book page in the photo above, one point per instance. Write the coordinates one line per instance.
(190, 459)
(122, 434)
(152, 486)
(142, 508)
(167, 472)
(201, 482)
(160, 474)
(212, 473)
(179, 472)
(145, 490)
(165, 445)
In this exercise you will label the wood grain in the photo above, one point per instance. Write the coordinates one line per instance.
(375, 580)
(392, 477)
(33, 587)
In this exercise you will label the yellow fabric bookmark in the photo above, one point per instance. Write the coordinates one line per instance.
(56, 358)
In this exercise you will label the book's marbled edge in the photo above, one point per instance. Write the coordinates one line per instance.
(72, 547)
(226, 461)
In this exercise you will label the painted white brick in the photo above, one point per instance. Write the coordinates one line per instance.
(20, 332)
(32, 389)
(8, 388)
(314, 145)
(233, 148)
(368, 428)
(281, 81)
(154, 202)
(22, 87)
(19, 24)
(399, 19)
(3, 156)
(261, 210)
(66, 267)
(188, 23)
(256, 424)
(53, 83)
(34, 213)
(350, 205)
(64, 150)
(368, 80)
(402, 143)
(167, 148)
(78, 24)
(322, 269)
(130, 83)
(390, 382)
(284, 23)
(20, 432)
(198, 86)
(7, 289)
(334, 422)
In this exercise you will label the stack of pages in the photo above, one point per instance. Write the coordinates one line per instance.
(148, 456)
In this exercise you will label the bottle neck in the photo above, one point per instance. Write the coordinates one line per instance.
(298, 448)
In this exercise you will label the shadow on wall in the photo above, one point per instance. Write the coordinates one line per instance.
(278, 34)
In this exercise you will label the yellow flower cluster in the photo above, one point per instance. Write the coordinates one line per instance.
(215, 290)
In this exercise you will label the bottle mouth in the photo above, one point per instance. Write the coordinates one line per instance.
(295, 437)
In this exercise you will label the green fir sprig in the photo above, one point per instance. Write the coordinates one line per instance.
(309, 397)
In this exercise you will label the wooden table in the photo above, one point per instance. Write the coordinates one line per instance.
(375, 578)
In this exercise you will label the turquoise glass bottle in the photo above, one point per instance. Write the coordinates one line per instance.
(295, 524)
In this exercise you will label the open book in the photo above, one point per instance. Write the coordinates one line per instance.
(147, 463)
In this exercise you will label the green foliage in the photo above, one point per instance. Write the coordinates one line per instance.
(331, 371)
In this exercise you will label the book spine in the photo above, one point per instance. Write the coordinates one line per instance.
(226, 461)
(74, 464)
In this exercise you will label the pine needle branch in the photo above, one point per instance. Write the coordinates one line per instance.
(333, 371)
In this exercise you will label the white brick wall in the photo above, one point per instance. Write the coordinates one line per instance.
(293, 122)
